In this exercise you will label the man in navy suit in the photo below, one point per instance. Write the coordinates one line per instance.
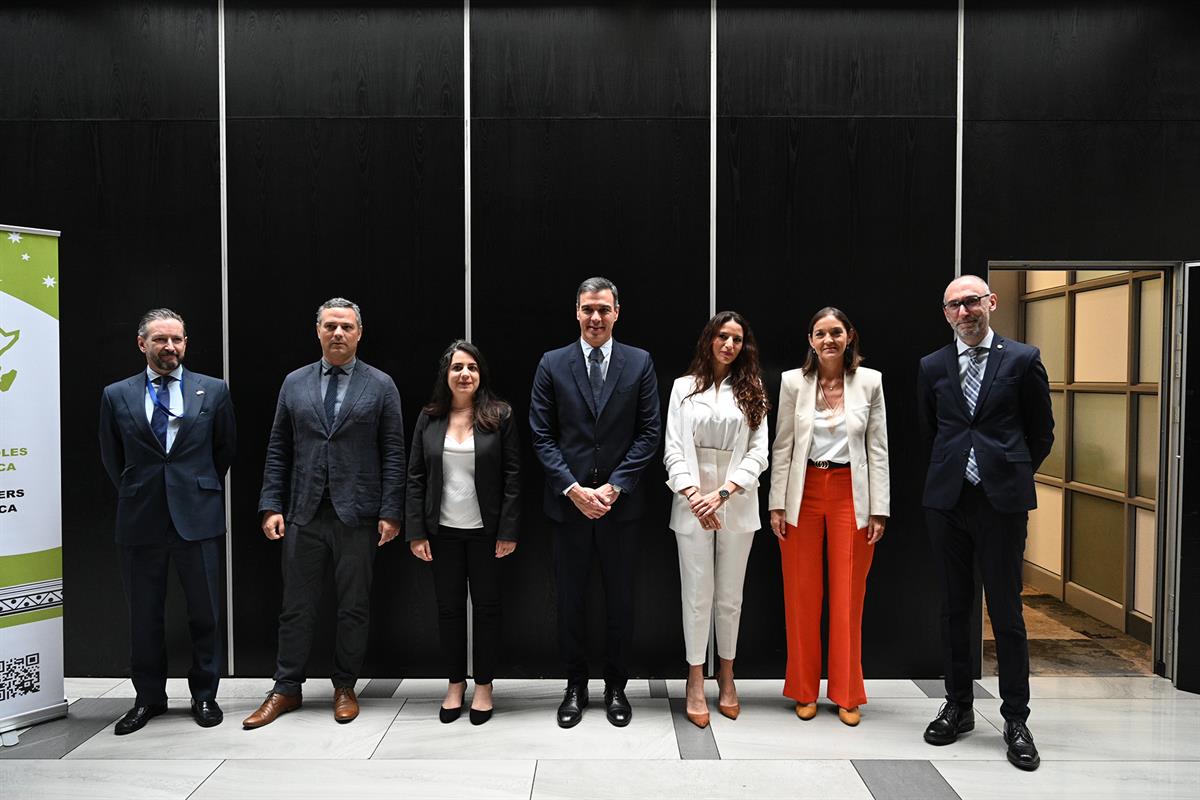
(594, 412)
(167, 437)
(986, 422)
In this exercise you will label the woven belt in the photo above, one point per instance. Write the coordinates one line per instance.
(827, 464)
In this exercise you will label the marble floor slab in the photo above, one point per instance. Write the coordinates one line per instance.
(1100, 688)
(773, 688)
(528, 729)
(1080, 780)
(547, 689)
(310, 732)
(368, 780)
(177, 688)
(697, 780)
(1111, 730)
(890, 729)
(103, 779)
(90, 687)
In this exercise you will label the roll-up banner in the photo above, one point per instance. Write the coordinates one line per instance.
(31, 583)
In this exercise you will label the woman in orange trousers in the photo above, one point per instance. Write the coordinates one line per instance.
(829, 489)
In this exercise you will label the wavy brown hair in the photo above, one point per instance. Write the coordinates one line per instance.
(852, 357)
(744, 373)
(489, 410)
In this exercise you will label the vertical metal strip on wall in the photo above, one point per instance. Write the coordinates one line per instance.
(712, 159)
(958, 145)
(467, 255)
(225, 320)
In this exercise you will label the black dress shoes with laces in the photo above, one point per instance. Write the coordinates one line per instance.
(953, 719)
(206, 713)
(1022, 752)
(619, 711)
(570, 710)
(136, 718)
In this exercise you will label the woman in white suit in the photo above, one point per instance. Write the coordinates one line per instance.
(715, 449)
(829, 486)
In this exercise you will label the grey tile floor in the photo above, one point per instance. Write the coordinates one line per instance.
(1111, 737)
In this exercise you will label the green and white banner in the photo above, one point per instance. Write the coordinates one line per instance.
(31, 585)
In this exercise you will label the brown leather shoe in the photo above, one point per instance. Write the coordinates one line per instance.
(345, 704)
(806, 711)
(850, 716)
(272, 707)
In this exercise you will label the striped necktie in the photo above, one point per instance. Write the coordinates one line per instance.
(971, 383)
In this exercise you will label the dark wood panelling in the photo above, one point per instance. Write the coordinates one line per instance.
(319, 59)
(812, 59)
(858, 214)
(1080, 191)
(1076, 61)
(137, 205)
(369, 209)
(123, 60)
(556, 201)
(581, 60)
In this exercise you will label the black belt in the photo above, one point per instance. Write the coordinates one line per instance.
(827, 464)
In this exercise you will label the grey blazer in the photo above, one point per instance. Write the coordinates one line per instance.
(362, 453)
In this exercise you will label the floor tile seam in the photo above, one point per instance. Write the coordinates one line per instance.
(206, 777)
(388, 729)
(533, 780)
(99, 732)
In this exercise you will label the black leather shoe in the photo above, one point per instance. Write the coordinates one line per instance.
(207, 713)
(953, 719)
(619, 711)
(448, 715)
(1022, 752)
(136, 718)
(570, 710)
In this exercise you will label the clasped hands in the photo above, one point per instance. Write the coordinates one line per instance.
(593, 503)
(273, 527)
(704, 506)
(876, 525)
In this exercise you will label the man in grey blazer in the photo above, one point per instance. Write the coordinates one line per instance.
(167, 437)
(333, 491)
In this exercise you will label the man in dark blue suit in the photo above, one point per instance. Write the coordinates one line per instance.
(594, 412)
(986, 422)
(167, 437)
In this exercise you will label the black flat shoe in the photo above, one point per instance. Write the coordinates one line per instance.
(479, 716)
(207, 713)
(953, 719)
(136, 718)
(449, 714)
(619, 711)
(1022, 752)
(570, 710)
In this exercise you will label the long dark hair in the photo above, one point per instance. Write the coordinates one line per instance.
(489, 409)
(853, 355)
(744, 373)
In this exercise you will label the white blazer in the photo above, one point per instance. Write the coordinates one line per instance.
(866, 428)
(748, 461)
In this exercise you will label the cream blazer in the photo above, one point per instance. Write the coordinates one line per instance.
(748, 461)
(866, 429)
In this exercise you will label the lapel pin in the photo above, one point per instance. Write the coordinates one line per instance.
(199, 391)
(999, 347)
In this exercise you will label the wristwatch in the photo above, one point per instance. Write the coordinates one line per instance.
(723, 494)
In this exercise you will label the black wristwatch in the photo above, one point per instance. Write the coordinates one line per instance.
(724, 494)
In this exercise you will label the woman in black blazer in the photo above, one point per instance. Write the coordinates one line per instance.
(462, 514)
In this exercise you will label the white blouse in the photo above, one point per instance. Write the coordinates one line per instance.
(716, 420)
(829, 439)
(460, 504)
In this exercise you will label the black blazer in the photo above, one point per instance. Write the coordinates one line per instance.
(1012, 429)
(188, 484)
(497, 478)
(593, 444)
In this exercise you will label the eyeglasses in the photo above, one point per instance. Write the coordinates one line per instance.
(969, 302)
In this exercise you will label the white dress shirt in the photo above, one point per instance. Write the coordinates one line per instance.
(175, 406)
(605, 351)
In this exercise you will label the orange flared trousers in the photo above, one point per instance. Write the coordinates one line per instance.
(826, 517)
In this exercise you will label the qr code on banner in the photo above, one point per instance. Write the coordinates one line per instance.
(20, 676)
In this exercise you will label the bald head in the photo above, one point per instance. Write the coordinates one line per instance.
(973, 283)
(968, 304)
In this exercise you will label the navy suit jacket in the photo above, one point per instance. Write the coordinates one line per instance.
(592, 444)
(1011, 430)
(362, 453)
(186, 485)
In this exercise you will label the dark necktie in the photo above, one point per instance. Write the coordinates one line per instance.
(162, 402)
(596, 373)
(331, 394)
(971, 384)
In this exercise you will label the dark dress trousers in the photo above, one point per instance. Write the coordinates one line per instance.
(170, 506)
(466, 557)
(332, 483)
(984, 525)
(612, 441)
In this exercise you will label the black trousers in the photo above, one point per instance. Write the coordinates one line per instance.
(975, 533)
(460, 558)
(307, 550)
(615, 546)
(144, 573)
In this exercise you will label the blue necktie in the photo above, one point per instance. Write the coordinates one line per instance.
(596, 373)
(331, 395)
(162, 402)
(971, 383)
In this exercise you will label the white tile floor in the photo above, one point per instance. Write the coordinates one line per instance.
(1099, 738)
